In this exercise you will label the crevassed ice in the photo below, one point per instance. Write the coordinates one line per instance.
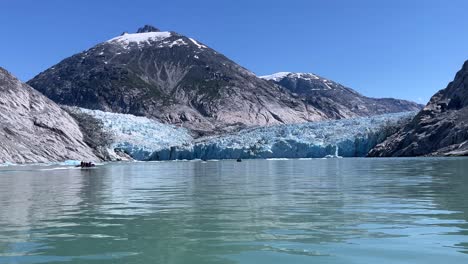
(352, 137)
(146, 139)
(140, 136)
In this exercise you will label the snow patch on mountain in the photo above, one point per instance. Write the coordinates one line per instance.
(281, 75)
(200, 46)
(178, 42)
(140, 38)
(275, 76)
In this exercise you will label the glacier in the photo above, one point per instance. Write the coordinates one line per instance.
(140, 136)
(147, 139)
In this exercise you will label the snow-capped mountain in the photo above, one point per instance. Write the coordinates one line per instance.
(441, 128)
(35, 129)
(173, 78)
(336, 100)
(179, 80)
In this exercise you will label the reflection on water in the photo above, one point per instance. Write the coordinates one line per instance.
(257, 211)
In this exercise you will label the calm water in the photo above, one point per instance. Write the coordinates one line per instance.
(258, 211)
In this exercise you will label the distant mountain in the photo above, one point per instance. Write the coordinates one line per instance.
(35, 129)
(336, 100)
(172, 78)
(441, 128)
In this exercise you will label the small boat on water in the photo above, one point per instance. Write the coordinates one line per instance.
(86, 165)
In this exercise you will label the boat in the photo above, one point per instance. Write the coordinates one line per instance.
(86, 165)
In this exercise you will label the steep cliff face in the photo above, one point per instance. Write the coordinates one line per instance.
(441, 128)
(35, 129)
(174, 79)
(335, 100)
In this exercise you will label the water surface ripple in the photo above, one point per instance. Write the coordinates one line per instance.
(258, 211)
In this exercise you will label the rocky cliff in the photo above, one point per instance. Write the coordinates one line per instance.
(35, 129)
(441, 128)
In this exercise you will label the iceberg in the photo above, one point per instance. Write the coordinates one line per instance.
(147, 139)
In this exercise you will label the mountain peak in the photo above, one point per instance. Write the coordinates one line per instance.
(148, 28)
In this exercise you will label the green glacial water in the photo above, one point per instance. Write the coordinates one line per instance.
(257, 211)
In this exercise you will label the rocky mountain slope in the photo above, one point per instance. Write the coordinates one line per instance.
(172, 78)
(441, 128)
(178, 80)
(35, 129)
(336, 100)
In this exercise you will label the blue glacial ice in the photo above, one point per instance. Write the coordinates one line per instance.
(147, 139)
(140, 136)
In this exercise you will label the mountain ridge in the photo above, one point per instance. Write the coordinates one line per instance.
(337, 100)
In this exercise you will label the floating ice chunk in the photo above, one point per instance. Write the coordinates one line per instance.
(7, 164)
(70, 162)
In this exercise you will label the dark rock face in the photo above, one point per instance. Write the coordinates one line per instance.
(148, 28)
(441, 128)
(35, 129)
(336, 100)
(174, 79)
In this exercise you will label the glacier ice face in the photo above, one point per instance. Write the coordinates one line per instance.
(146, 139)
(352, 138)
(140, 136)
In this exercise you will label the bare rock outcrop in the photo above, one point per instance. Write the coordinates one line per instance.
(35, 129)
(441, 128)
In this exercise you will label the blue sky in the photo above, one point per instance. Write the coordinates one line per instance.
(404, 49)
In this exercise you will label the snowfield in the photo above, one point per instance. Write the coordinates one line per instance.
(140, 38)
(281, 75)
(146, 139)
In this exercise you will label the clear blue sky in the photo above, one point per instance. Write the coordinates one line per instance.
(406, 49)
